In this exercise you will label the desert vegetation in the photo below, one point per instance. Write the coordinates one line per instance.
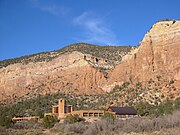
(109, 53)
(106, 126)
(144, 99)
(49, 121)
(157, 111)
(73, 119)
(23, 128)
(153, 118)
(41, 105)
(39, 57)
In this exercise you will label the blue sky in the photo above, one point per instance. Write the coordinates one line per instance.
(32, 26)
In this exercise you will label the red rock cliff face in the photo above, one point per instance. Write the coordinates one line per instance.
(69, 72)
(157, 55)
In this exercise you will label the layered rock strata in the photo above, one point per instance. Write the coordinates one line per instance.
(87, 72)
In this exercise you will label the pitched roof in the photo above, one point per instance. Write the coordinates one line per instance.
(123, 110)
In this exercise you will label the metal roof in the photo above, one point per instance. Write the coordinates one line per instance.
(123, 110)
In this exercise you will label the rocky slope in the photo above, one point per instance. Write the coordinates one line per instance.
(78, 68)
(88, 69)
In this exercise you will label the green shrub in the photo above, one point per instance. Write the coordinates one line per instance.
(138, 85)
(73, 119)
(6, 121)
(173, 21)
(144, 109)
(49, 121)
(125, 84)
(164, 108)
(117, 87)
(177, 104)
(108, 115)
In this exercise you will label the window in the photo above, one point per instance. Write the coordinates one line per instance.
(100, 114)
(121, 116)
(95, 114)
(90, 114)
(85, 114)
(55, 109)
(130, 116)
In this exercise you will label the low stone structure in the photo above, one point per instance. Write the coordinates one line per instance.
(26, 118)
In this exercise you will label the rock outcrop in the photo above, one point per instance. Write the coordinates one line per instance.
(157, 55)
(82, 70)
(69, 72)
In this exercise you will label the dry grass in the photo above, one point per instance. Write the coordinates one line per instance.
(164, 125)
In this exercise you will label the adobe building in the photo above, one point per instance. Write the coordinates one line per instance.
(62, 110)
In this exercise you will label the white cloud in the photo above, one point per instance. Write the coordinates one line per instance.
(95, 29)
(51, 8)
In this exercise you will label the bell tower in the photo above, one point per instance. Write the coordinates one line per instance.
(61, 108)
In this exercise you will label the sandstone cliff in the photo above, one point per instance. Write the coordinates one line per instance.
(157, 55)
(79, 68)
(157, 58)
(83, 68)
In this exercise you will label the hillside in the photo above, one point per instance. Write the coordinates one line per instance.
(110, 53)
(151, 70)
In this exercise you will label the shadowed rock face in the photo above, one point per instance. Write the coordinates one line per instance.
(89, 69)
